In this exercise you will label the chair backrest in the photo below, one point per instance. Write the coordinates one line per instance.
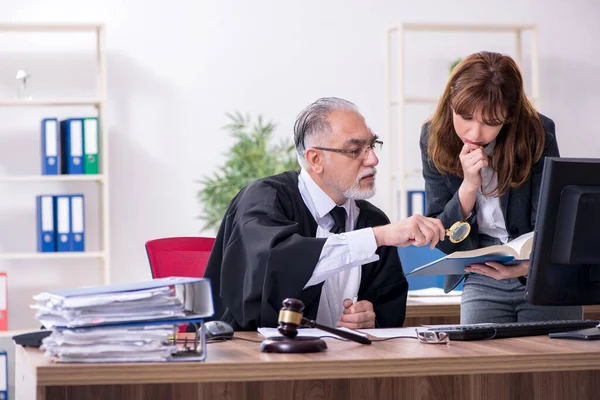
(179, 256)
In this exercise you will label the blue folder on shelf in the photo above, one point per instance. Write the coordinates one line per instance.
(3, 375)
(77, 236)
(71, 139)
(50, 147)
(62, 222)
(46, 232)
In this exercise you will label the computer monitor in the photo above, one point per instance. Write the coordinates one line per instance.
(565, 261)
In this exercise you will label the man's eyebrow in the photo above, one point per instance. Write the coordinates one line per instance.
(361, 142)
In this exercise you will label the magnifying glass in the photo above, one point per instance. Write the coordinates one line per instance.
(458, 231)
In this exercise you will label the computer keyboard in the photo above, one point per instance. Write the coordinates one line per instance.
(512, 329)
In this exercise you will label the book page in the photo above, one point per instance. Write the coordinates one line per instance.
(497, 250)
(522, 245)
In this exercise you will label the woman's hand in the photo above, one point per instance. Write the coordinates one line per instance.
(472, 158)
(498, 271)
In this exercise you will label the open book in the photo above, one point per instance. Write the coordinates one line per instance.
(454, 264)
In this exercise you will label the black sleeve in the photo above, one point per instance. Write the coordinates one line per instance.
(550, 150)
(442, 203)
(265, 259)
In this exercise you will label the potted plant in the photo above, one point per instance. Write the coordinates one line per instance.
(253, 156)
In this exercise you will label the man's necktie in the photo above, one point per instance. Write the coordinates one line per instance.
(339, 219)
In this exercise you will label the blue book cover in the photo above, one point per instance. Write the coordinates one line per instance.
(126, 287)
(455, 263)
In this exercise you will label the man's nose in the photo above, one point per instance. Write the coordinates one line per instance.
(371, 160)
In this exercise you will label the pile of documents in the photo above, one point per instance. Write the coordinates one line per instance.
(121, 323)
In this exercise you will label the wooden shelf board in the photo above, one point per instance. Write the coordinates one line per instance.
(51, 102)
(53, 178)
(51, 256)
(49, 27)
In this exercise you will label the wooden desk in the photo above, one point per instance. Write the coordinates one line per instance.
(446, 310)
(520, 368)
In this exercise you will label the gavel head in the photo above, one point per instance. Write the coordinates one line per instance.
(290, 317)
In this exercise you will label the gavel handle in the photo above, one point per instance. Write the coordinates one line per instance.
(345, 334)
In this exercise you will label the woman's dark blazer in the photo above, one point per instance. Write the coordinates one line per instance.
(519, 205)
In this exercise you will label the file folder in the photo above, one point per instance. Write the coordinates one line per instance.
(89, 323)
(416, 202)
(50, 146)
(46, 234)
(90, 145)
(77, 242)
(63, 223)
(3, 375)
(71, 139)
(3, 302)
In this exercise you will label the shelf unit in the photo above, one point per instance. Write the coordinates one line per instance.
(397, 175)
(99, 103)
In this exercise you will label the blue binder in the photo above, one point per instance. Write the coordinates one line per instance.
(62, 222)
(50, 147)
(71, 139)
(77, 242)
(415, 202)
(46, 234)
(3, 375)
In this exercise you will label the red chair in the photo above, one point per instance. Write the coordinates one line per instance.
(179, 256)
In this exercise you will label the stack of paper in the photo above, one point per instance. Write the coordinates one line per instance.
(121, 323)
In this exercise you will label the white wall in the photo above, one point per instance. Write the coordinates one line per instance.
(176, 67)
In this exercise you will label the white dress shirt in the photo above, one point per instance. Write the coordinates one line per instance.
(342, 255)
(490, 218)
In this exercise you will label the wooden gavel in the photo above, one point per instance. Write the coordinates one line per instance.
(290, 319)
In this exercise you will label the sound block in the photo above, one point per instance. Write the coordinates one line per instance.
(304, 344)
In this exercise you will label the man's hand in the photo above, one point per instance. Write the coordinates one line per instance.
(357, 315)
(416, 230)
(498, 271)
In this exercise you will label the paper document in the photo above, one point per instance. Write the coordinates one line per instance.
(314, 332)
(393, 332)
(125, 322)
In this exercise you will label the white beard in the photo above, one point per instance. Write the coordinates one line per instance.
(355, 192)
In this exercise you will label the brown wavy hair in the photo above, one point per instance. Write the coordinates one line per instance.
(492, 83)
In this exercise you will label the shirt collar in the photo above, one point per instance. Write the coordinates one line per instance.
(490, 147)
(321, 200)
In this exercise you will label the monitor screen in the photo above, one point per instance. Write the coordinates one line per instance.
(565, 261)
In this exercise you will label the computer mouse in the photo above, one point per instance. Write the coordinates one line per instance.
(218, 330)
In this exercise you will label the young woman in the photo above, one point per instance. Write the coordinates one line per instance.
(483, 153)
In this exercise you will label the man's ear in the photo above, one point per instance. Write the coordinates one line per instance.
(314, 158)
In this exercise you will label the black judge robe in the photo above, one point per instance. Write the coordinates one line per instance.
(266, 251)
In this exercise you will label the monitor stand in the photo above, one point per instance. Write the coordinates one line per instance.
(581, 334)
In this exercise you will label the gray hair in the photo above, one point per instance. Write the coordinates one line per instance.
(312, 122)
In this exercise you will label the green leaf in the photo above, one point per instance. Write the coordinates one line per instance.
(253, 156)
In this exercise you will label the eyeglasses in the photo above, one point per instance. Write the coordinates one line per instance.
(432, 337)
(359, 152)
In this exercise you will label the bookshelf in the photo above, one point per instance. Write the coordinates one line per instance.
(396, 100)
(98, 102)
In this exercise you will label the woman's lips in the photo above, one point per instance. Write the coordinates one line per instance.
(471, 142)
